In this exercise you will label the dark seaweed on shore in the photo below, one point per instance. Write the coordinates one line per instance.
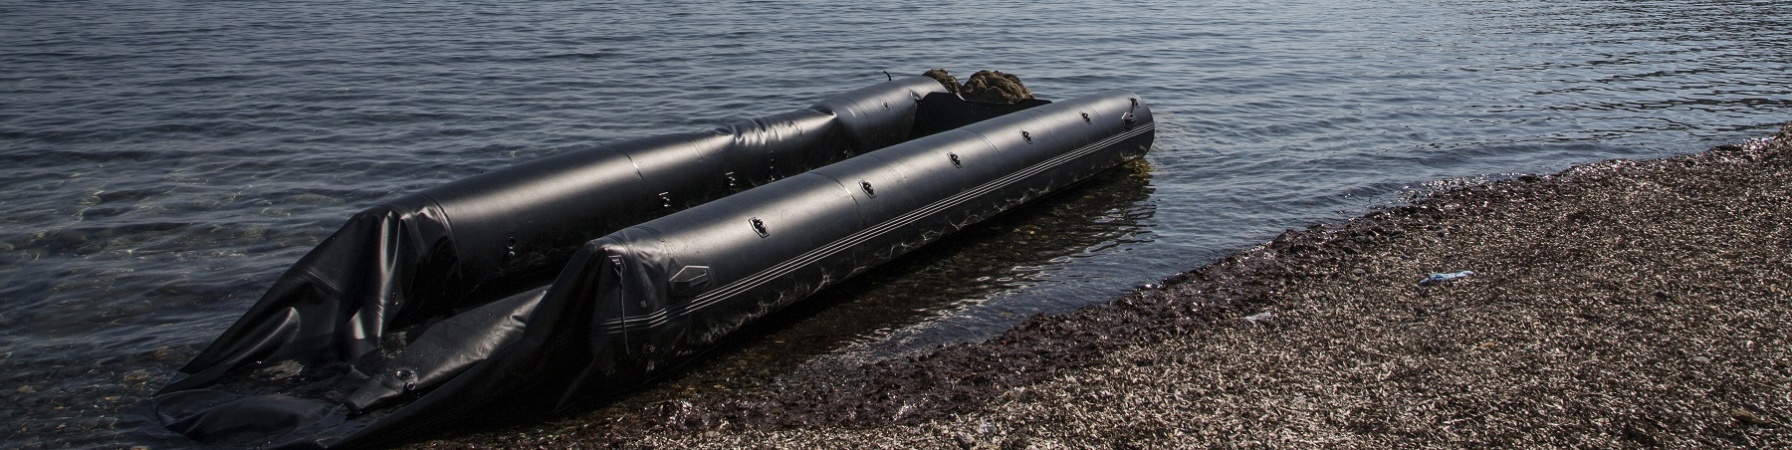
(1614, 304)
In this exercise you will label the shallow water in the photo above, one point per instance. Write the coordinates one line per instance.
(163, 162)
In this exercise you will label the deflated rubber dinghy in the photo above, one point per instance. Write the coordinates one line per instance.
(423, 313)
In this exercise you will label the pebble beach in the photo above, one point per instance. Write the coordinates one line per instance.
(1615, 304)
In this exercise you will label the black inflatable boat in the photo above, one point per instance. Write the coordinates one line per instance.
(555, 282)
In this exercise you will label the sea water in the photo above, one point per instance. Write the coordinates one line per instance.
(162, 162)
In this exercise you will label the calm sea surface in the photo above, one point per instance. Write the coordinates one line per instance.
(162, 162)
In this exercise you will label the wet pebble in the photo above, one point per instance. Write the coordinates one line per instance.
(964, 441)
(1748, 417)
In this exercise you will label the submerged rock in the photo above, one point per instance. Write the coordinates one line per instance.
(984, 86)
(995, 87)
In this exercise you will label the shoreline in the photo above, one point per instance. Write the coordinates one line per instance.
(1619, 303)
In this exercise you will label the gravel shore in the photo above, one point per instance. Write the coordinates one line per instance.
(1615, 304)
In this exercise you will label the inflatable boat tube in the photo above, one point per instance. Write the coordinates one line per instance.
(630, 305)
(637, 302)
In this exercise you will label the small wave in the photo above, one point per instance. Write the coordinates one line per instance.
(85, 240)
(585, 55)
(208, 80)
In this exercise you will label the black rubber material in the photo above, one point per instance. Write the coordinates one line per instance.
(503, 232)
(629, 305)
